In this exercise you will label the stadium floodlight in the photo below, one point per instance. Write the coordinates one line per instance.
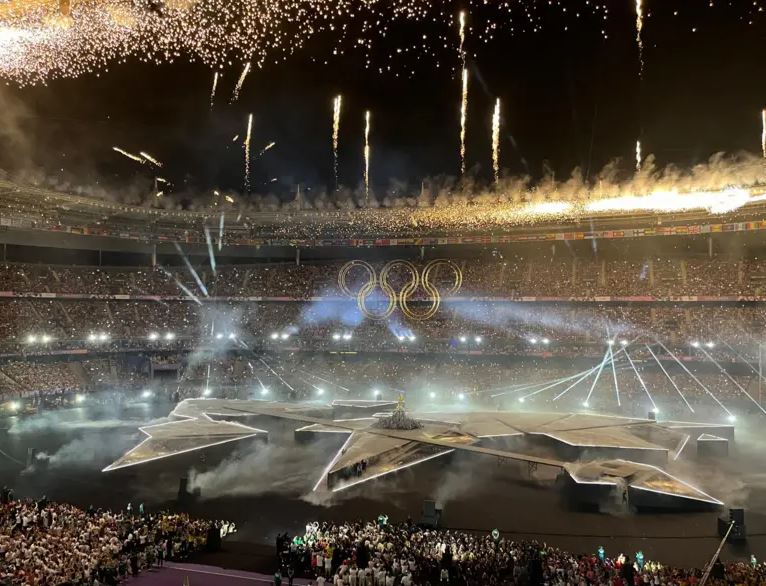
(478, 339)
(623, 342)
(154, 336)
(533, 340)
(219, 336)
(432, 395)
(31, 339)
(170, 336)
(545, 341)
(206, 392)
(463, 339)
(347, 336)
(146, 394)
(79, 398)
(710, 344)
(103, 337)
(274, 335)
(695, 344)
(284, 335)
(461, 396)
(232, 335)
(336, 336)
(320, 392)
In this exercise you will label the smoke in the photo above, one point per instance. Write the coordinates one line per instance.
(15, 141)
(84, 452)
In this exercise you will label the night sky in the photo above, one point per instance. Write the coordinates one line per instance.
(571, 98)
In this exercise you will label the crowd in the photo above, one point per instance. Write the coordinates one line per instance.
(50, 544)
(508, 276)
(379, 554)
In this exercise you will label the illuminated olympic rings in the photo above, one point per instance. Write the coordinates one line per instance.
(403, 299)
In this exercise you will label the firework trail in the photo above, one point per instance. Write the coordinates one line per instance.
(763, 132)
(129, 155)
(639, 39)
(212, 92)
(461, 22)
(367, 156)
(496, 141)
(247, 152)
(268, 147)
(240, 83)
(639, 158)
(463, 115)
(220, 232)
(336, 107)
(150, 158)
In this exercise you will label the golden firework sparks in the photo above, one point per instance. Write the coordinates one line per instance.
(129, 155)
(159, 194)
(639, 158)
(336, 108)
(496, 140)
(240, 82)
(639, 39)
(150, 158)
(367, 155)
(463, 117)
(268, 147)
(229, 198)
(212, 92)
(247, 152)
(763, 132)
(461, 32)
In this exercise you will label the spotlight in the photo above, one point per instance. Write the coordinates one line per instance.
(154, 336)
(656, 411)
(219, 336)
(400, 338)
(731, 418)
(320, 392)
(477, 339)
(14, 406)
(412, 338)
(463, 339)
(533, 340)
(336, 336)
(232, 335)
(346, 336)
(710, 344)
(610, 342)
(146, 394)
(623, 342)
(376, 393)
(170, 336)
(432, 395)
(264, 391)
(461, 396)
(91, 337)
(274, 335)
(521, 399)
(31, 339)
(103, 337)
(284, 335)
(546, 341)
(79, 398)
(46, 338)
(695, 344)
(206, 392)
(586, 404)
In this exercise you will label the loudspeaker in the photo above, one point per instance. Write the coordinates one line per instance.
(738, 531)
(431, 514)
(652, 416)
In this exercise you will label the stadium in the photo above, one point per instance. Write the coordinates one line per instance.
(349, 281)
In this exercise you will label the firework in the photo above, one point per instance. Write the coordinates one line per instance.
(150, 158)
(639, 39)
(212, 92)
(461, 33)
(763, 132)
(129, 155)
(367, 156)
(240, 82)
(496, 140)
(247, 152)
(236, 136)
(639, 158)
(229, 198)
(268, 147)
(463, 116)
(336, 107)
(159, 194)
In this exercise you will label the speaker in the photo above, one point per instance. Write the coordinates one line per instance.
(652, 416)
(738, 532)
(431, 514)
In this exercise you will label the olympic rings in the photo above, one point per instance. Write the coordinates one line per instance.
(404, 297)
